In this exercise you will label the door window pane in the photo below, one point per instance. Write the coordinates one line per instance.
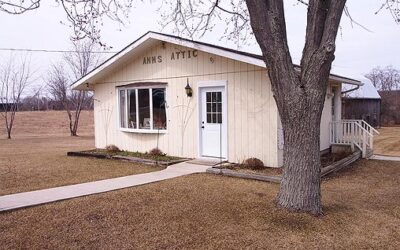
(122, 111)
(159, 114)
(219, 118)
(214, 107)
(218, 96)
(132, 108)
(219, 107)
(144, 108)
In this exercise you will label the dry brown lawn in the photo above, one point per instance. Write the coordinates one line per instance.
(36, 156)
(362, 211)
(47, 124)
(361, 204)
(388, 142)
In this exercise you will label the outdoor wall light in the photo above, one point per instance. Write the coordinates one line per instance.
(188, 89)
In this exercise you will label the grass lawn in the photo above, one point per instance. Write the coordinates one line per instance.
(202, 211)
(388, 142)
(36, 157)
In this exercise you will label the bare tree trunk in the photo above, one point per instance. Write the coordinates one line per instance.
(299, 94)
(300, 186)
(71, 121)
(8, 133)
(76, 122)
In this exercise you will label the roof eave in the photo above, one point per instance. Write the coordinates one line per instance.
(87, 78)
(85, 82)
(345, 80)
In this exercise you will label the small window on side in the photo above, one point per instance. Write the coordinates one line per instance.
(122, 111)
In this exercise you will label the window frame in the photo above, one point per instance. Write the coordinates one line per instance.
(140, 130)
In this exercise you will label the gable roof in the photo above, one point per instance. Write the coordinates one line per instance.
(366, 91)
(151, 37)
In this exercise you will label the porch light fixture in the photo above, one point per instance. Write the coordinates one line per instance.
(188, 89)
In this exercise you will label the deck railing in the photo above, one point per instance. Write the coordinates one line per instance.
(356, 133)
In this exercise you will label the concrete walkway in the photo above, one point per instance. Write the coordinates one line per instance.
(385, 158)
(26, 199)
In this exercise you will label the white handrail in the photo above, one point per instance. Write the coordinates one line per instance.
(354, 133)
(365, 124)
(370, 127)
(360, 126)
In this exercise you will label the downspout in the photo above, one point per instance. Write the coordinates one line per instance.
(350, 90)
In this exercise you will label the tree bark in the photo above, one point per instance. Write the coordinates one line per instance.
(299, 94)
(300, 186)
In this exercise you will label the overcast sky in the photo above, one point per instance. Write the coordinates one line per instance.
(357, 51)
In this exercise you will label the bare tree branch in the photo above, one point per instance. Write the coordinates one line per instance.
(19, 7)
(195, 17)
(393, 6)
(85, 17)
(385, 79)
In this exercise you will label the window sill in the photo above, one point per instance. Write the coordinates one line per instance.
(143, 131)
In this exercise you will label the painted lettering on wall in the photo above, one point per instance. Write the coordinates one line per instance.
(152, 59)
(176, 55)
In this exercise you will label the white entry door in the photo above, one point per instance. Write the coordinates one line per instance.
(213, 122)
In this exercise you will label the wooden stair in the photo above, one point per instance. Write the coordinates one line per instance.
(370, 153)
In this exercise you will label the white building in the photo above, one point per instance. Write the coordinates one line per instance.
(143, 100)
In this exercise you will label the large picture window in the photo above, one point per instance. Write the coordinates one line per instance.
(142, 108)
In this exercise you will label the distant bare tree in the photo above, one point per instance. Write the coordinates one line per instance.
(14, 78)
(35, 100)
(78, 64)
(58, 85)
(385, 79)
(37, 92)
(82, 59)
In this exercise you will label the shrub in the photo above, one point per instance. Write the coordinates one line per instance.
(112, 148)
(156, 152)
(253, 163)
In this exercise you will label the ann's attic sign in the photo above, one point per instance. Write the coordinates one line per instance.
(176, 55)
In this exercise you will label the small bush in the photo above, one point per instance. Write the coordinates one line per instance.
(253, 163)
(112, 148)
(156, 152)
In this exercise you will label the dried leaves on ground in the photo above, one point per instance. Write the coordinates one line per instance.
(202, 211)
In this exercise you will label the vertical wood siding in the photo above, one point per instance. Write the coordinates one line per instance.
(252, 113)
